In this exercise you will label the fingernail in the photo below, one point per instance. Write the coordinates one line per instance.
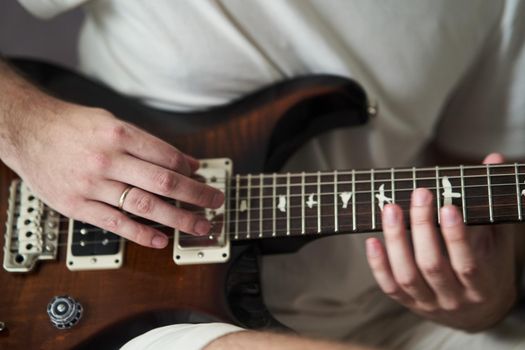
(420, 197)
(218, 200)
(390, 215)
(159, 241)
(372, 248)
(202, 227)
(449, 216)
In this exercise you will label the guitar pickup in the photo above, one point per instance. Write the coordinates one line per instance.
(215, 247)
(92, 248)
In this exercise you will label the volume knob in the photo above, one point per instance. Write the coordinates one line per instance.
(64, 311)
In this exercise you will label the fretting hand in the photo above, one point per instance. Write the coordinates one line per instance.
(471, 286)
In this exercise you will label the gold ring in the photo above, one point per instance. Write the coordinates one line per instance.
(123, 197)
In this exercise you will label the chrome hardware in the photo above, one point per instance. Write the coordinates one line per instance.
(64, 312)
(2, 326)
(372, 109)
(31, 230)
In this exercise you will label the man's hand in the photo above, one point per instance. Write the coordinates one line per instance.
(80, 160)
(471, 286)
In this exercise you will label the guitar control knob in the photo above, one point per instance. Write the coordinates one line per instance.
(64, 311)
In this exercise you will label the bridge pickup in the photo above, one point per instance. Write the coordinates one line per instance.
(214, 248)
(32, 230)
(91, 248)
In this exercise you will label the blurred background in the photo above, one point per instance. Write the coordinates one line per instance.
(54, 40)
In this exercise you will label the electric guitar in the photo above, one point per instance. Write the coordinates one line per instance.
(66, 284)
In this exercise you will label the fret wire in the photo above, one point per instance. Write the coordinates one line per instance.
(237, 180)
(372, 201)
(438, 197)
(248, 206)
(62, 220)
(336, 208)
(302, 204)
(260, 206)
(491, 214)
(368, 203)
(518, 194)
(288, 204)
(274, 233)
(398, 190)
(393, 185)
(364, 171)
(65, 232)
(354, 219)
(463, 199)
(406, 179)
(319, 202)
(406, 212)
(414, 178)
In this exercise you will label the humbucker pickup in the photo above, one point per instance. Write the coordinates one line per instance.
(215, 247)
(92, 248)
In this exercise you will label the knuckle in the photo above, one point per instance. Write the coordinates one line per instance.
(393, 292)
(407, 282)
(99, 161)
(117, 133)
(111, 222)
(432, 268)
(187, 223)
(71, 207)
(428, 307)
(85, 184)
(468, 271)
(203, 196)
(176, 161)
(420, 219)
(166, 182)
(452, 305)
(143, 204)
(142, 235)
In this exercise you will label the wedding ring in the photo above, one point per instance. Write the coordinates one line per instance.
(123, 197)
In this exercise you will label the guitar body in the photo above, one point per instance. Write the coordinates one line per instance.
(258, 132)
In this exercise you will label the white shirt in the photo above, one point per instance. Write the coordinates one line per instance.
(454, 70)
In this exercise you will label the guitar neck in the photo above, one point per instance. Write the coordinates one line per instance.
(296, 204)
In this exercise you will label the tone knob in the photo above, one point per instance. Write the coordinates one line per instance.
(64, 311)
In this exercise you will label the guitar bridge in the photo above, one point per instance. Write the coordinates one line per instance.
(32, 230)
(215, 247)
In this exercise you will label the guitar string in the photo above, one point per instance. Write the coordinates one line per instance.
(367, 193)
(269, 184)
(331, 204)
(375, 171)
(242, 236)
(365, 214)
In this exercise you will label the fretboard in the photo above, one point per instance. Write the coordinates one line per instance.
(294, 204)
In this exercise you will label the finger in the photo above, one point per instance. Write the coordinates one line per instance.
(378, 262)
(155, 179)
(154, 150)
(460, 250)
(494, 158)
(151, 207)
(401, 257)
(110, 219)
(433, 265)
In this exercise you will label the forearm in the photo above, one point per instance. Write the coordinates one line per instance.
(19, 99)
(273, 341)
